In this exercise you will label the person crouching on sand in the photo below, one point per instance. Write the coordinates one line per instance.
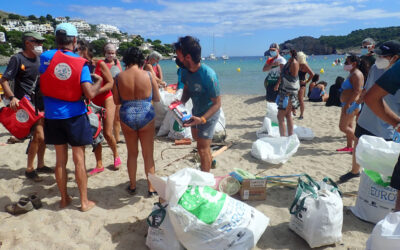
(64, 78)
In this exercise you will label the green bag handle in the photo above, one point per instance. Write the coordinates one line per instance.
(301, 187)
(156, 217)
(335, 186)
(312, 182)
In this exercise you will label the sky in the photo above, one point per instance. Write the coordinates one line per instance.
(232, 27)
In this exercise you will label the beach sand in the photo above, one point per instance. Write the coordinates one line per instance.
(119, 220)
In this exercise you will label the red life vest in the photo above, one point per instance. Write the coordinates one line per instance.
(155, 68)
(20, 122)
(62, 78)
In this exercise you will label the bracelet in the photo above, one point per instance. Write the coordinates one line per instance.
(397, 126)
(203, 120)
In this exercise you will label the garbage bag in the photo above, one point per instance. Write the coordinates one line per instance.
(275, 150)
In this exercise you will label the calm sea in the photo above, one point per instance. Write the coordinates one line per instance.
(250, 78)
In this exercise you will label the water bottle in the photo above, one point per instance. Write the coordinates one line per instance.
(396, 137)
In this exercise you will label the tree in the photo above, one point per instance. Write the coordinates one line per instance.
(49, 43)
(124, 46)
(67, 17)
(15, 38)
(13, 16)
(148, 40)
(156, 42)
(98, 46)
(32, 18)
(49, 17)
(42, 20)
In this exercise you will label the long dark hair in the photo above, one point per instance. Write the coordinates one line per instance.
(362, 67)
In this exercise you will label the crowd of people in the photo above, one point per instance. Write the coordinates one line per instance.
(64, 81)
(368, 97)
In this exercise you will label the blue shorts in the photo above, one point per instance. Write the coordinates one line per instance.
(206, 131)
(74, 131)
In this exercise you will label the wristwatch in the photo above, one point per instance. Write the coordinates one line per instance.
(11, 97)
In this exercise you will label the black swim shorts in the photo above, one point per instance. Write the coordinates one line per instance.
(74, 131)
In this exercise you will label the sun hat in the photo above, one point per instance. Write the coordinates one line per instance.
(33, 34)
(69, 29)
(388, 48)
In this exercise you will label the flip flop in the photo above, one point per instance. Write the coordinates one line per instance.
(117, 163)
(131, 191)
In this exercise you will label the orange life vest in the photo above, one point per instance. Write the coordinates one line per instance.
(20, 122)
(62, 78)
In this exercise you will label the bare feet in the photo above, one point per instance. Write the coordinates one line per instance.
(66, 202)
(89, 205)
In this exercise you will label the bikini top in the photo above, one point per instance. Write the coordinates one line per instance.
(302, 75)
(148, 99)
(346, 85)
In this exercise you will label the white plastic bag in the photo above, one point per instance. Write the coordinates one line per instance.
(386, 234)
(275, 150)
(164, 236)
(220, 127)
(374, 201)
(303, 133)
(317, 212)
(176, 132)
(374, 153)
(267, 130)
(165, 126)
(204, 218)
(272, 112)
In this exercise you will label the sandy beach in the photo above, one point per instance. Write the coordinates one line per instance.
(119, 219)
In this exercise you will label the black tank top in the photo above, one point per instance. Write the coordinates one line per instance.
(302, 75)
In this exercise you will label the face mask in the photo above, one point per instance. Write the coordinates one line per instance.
(37, 50)
(348, 67)
(179, 63)
(382, 63)
(273, 53)
(364, 51)
(154, 64)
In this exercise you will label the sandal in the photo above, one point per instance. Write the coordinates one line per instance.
(33, 176)
(150, 194)
(131, 191)
(23, 206)
(13, 140)
(36, 202)
(117, 163)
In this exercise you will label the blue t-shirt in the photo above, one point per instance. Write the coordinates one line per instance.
(390, 81)
(180, 83)
(202, 86)
(367, 119)
(59, 109)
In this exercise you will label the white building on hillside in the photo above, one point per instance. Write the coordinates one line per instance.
(146, 46)
(108, 28)
(61, 19)
(80, 25)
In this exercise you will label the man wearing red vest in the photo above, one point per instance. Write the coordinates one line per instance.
(65, 77)
(23, 69)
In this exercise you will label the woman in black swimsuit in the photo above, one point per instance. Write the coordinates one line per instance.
(303, 71)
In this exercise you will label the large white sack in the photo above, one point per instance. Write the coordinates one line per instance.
(317, 219)
(374, 153)
(161, 107)
(220, 127)
(303, 133)
(164, 236)
(176, 132)
(267, 130)
(275, 150)
(386, 234)
(374, 201)
(165, 125)
(272, 112)
(204, 218)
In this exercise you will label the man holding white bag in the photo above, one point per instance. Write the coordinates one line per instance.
(388, 83)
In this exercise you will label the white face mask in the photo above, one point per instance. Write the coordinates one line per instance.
(382, 63)
(37, 50)
(348, 67)
(110, 56)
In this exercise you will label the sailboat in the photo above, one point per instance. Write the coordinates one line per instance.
(225, 57)
(212, 55)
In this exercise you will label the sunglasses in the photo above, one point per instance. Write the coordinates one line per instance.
(366, 46)
(35, 41)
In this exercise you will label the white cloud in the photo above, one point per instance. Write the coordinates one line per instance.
(127, 1)
(230, 16)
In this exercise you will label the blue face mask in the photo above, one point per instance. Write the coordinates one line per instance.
(273, 53)
(154, 64)
(364, 51)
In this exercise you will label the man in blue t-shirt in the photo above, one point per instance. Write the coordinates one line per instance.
(202, 86)
(66, 122)
(388, 83)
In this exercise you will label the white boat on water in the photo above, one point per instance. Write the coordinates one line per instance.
(212, 57)
(225, 57)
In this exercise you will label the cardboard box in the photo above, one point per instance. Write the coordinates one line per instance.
(253, 190)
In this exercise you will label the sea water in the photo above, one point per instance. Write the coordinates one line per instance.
(243, 75)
